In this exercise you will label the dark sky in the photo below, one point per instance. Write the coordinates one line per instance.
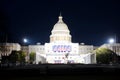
(90, 21)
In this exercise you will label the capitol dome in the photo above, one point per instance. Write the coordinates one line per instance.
(60, 25)
(60, 32)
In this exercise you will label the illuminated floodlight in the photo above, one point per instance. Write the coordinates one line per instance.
(25, 40)
(111, 40)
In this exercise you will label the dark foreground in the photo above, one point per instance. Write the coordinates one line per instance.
(61, 72)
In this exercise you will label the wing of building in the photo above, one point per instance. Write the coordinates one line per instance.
(7, 48)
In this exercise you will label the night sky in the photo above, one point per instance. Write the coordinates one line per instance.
(89, 21)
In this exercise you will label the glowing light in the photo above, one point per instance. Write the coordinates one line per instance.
(111, 40)
(25, 40)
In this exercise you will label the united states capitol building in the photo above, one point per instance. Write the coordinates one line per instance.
(60, 49)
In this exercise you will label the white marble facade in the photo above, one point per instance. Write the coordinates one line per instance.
(60, 49)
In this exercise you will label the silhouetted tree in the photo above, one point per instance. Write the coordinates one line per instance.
(13, 57)
(21, 56)
(4, 59)
(17, 56)
(32, 57)
(105, 56)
